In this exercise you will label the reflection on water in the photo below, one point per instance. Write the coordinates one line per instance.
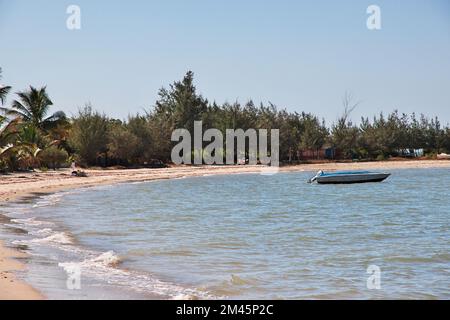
(243, 236)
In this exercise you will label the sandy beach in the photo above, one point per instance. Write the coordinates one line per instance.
(10, 288)
(14, 186)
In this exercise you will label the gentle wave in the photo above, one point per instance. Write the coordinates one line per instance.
(105, 265)
(58, 237)
(107, 259)
(40, 232)
(252, 241)
(31, 222)
(48, 200)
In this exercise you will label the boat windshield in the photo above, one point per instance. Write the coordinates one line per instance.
(345, 173)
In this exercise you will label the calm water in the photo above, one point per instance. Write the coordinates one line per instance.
(240, 236)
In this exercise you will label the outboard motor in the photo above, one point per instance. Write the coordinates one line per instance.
(318, 174)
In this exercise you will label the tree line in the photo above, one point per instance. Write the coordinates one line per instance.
(33, 137)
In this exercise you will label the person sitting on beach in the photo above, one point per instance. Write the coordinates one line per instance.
(75, 172)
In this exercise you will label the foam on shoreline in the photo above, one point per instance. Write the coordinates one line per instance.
(14, 186)
(103, 266)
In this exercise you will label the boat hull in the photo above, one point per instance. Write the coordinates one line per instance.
(352, 178)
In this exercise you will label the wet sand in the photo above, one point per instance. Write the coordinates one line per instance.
(10, 287)
(17, 185)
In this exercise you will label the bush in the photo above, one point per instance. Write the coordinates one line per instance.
(53, 157)
(122, 144)
(431, 155)
(89, 135)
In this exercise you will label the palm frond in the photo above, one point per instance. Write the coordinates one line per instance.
(3, 92)
(22, 108)
(14, 113)
(8, 130)
(58, 118)
(36, 152)
(32, 106)
(25, 97)
(5, 149)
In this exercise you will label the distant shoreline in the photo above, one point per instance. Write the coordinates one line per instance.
(20, 184)
(17, 185)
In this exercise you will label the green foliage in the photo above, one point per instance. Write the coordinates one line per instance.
(140, 128)
(314, 134)
(53, 157)
(182, 103)
(29, 137)
(3, 90)
(446, 140)
(122, 144)
(27, 134)
(89, 135)
(32, 107)
(8, 132)
(344, 135)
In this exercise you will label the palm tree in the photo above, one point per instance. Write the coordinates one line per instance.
(3, 90)
(19, 145)
(26, 146)
(33, 106)
(8, 129)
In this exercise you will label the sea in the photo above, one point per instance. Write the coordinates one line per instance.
(238, 236)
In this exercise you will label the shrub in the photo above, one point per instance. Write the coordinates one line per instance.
(89, 135)
(53, 157)
(122, 144)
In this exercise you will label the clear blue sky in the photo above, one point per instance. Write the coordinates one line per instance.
(297, 54)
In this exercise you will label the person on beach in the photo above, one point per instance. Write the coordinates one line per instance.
(73, 169)
(73, 166)
(75, 172)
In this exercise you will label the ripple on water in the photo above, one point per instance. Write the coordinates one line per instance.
(250, 236)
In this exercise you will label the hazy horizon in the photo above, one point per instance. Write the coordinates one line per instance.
(299, 56)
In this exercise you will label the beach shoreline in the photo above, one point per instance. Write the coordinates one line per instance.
(11, 288)
(17, 185)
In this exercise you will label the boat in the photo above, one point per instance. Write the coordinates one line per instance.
(346, 177)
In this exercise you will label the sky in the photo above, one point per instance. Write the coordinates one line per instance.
(299, 55)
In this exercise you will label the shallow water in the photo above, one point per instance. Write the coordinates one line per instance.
(240, 236)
